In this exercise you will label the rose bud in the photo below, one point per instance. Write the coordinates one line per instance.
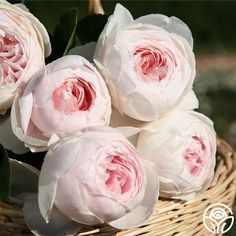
(148, 63)
(182, 147)
(69, 95)
(96, 176)
(24, 42)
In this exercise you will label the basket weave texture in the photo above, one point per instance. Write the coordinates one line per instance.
(171, 217)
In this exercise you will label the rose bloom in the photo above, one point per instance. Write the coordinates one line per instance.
(69, 95)
(182, 147)
(96, 176)
(24, 42)
(148, 63)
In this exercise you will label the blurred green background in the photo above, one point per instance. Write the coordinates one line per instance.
(213, 25)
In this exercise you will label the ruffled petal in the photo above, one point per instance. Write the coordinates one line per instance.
(171, 24)
(142, 212)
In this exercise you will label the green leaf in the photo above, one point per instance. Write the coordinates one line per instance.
(65, 31)
(5, 175)
(90, 27)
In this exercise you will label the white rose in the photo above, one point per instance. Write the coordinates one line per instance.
(24, 43)
(68, 96)
(182, 147)
(148, 63)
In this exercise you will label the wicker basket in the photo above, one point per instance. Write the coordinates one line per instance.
(171, 217)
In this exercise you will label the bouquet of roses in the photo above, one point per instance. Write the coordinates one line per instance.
(115, 118)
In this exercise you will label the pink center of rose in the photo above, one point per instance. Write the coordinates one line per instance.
(12, 59)
(152, 63)
(73, 95)
(119, 178)
(195, 156)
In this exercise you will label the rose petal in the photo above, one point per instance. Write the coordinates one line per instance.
(75, 209)
(171, 24)
(53, 169)
(7, 137)
(54, 138)
(141, 213)
(189, 102)
(129, 131)
(26, 105)
(67, 62)
(104, 208)
(59, 224)
(87, 51)
(167, 121)
(119, 120)
(120, 18)
(18, 131)
(40, 27)
(22, 6)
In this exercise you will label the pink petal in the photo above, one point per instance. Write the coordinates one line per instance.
(142, 212)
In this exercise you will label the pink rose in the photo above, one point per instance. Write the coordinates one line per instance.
(24, 42)
(148, 63)
(97, 176)
(69, 95)
(182, 147)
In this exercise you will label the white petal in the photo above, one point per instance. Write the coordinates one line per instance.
(54, 167)
(110, 85)
(175, 118)
(7, 137)
(39, 27)
(22, 6)
(120, 120)
(26, 106)
(171, 24)
(129, 131)
(141, 213)
(59, 224)
(120, 18)
(189, 102)
(54, 138)
(87, 51)
(128, 126)
(68, 62)
(75, 209)
(24, 178)
(44, 34)
(35, 144)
